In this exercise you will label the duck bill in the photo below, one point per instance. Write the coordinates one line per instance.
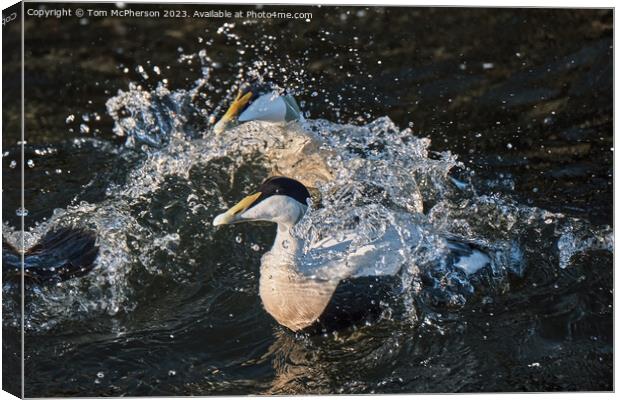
(232, 113)
(235, 214)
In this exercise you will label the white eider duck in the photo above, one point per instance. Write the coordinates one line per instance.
(259, 102)
(302, 295)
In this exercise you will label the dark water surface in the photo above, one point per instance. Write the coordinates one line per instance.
(523, 98)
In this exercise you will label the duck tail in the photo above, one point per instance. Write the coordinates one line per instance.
(61, 254)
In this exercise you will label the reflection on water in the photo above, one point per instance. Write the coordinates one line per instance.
(477, 132)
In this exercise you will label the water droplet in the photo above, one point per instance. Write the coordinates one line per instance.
(84, 129)
(13, 164)
(30, 163)
(70, 119)
(100, 374)
(238, 239)
(142, 72)
(172, 372)
(21, 212)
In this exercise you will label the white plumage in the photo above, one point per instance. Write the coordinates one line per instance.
(268, 107)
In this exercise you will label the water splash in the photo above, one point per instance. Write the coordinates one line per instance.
(369, 181)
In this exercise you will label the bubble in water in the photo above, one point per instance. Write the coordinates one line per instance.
(21, 212)
(238, 239)
(70, 119)
(30, 163)
(100, 374)
(172, 372)
(84, 129)
(13, 164)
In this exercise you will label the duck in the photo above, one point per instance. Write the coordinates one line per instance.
(259, 102)
(289, 148)
(303, 295)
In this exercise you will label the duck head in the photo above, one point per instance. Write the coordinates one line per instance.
(258, 102)
(279, 199)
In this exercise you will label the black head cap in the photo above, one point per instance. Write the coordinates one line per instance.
(279, 185)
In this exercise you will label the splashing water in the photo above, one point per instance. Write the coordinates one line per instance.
(372, 180)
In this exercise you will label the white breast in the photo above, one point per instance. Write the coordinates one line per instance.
(293, 299)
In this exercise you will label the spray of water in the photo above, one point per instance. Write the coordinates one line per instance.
(369, 181)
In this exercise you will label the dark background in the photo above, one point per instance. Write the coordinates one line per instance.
(523, 96)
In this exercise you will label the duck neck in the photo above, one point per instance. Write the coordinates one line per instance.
(285, 243)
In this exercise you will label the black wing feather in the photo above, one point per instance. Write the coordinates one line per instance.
(61, 254)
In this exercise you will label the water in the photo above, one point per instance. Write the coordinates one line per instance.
(483, 138)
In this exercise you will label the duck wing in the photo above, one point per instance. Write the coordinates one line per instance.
(61, 254)
(342, 258)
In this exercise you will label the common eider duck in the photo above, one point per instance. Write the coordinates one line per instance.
(302, 295)
(293, 151)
